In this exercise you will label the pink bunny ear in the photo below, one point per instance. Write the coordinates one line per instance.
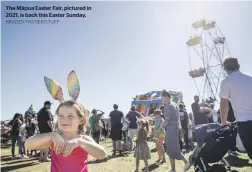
(73, 85)
(54, 89)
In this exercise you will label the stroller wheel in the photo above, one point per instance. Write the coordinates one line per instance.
(217, 168)
(197, 170)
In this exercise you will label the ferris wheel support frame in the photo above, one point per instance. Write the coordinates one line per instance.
(217, 50)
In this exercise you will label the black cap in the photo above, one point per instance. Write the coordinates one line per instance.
(47, 103)
(94, 111)
(181, 105)
(133, 107)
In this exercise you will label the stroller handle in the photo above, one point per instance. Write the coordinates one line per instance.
(230, 126)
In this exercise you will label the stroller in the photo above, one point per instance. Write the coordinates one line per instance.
(212, 145)
(5, 134)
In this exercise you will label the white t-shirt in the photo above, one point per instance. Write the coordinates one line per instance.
(237, 87)
(214, 115)
(181, 115)
(22, 130)
(190, 129)
(125, 126)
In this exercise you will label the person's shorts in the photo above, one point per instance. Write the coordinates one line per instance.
(160, 138)
(132, 133)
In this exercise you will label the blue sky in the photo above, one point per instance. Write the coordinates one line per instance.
(119, 50)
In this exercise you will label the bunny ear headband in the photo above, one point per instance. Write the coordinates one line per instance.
(57, 92)
(73, 85)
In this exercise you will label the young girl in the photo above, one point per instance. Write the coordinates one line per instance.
(190, 134)
(142, 151)
(125, 128)
(160, 136)
(22, 136)
(69, 148)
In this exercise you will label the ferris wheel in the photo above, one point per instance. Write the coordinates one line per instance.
(207, 47)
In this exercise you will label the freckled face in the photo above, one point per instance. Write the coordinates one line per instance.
(69, 120)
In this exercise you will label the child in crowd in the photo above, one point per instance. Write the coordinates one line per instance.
(190, 134)
(69, 147)
(125, 128)
(142, 151)
(22, 136)
(160, 136)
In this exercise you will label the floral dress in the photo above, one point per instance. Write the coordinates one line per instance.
(142, 150)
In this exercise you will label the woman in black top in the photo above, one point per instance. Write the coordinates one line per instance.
(16, 123)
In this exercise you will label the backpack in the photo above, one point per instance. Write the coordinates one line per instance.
(98, 125)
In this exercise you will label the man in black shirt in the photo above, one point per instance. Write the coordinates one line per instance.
(116, 118)
(199, 116)
(132, 118)
(45, 125)
(184, 125)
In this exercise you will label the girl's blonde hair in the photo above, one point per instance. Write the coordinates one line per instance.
(145, 124)
(81, 112)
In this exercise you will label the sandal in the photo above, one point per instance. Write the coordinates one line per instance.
(163, 161)
(114, 153)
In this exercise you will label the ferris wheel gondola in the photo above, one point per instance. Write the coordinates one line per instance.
(207, 47)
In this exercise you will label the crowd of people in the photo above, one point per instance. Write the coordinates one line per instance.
(170, 126)
(21, 127)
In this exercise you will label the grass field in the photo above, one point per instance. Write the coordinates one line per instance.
(111, 164)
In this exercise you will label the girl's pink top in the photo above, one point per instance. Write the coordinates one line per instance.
(77, 161)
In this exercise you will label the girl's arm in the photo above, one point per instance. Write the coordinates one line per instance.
(163, 125)
(100, 114)
(124, 120)
(92, 148)
(39, 141)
